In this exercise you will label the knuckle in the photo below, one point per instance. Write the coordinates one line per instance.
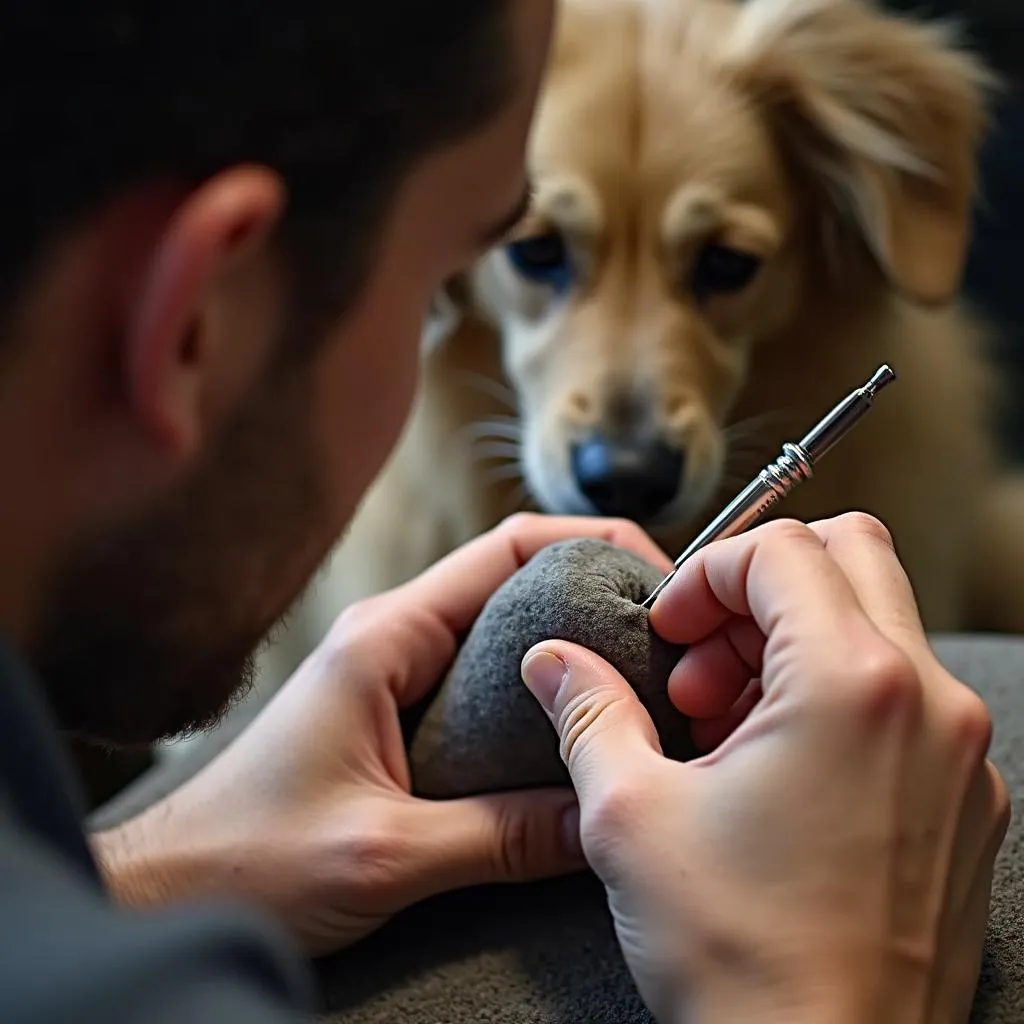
(612, 823)
(627, 529)
(518, 522)
(884, 683)
(354, 638)
(866, 525)
(970, 721)
(786, 532)
(371, 849)
(355, 618)
(612, 814)
(515, 850)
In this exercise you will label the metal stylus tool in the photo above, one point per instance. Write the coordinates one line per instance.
(793, 466)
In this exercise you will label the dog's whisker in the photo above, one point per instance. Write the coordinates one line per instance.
(499, 474)
(732, 484)
(747, 452)
(491, 387)
(751, 446)
(499, 417)
(485, 450)
(738, 475)
(752, 426)
(751, 443)
(481, 430)
(746, 445)
(747, 465)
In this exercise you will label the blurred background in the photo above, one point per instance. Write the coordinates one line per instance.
(995, 29)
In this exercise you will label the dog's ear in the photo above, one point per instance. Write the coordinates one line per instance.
(885, 115)
(446, 313)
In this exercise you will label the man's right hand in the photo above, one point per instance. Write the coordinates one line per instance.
(830, 859)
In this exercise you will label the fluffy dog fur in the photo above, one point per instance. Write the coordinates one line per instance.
(833, 144)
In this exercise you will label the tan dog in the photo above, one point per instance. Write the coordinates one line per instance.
(740, 212)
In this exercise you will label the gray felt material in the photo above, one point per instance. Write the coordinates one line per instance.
(546, 954)
(484, 731)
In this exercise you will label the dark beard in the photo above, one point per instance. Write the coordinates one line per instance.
(150, 631)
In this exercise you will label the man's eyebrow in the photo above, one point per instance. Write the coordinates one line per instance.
(500, 228)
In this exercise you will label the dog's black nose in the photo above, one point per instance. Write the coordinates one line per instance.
(627, 479)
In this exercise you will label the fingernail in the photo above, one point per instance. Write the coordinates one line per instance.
(544, 674)
(571, 845)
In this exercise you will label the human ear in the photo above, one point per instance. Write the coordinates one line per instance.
(174, 344)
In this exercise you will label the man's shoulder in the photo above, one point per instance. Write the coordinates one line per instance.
(69, 953)
(38, 788)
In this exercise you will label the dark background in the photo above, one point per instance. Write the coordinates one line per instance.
(995, 29)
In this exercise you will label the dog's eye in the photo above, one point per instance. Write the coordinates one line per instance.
(721, 270)
(542, 258)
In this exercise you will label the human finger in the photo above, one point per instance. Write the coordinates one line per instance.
(710, 676)
(709, 734)
(459, 585)
(492, 839)
(443, 602)
(605, 734)
(972, 870)
(780, 573)
(863, 547)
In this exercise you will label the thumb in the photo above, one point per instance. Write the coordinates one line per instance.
(604, 731)
(495, 838)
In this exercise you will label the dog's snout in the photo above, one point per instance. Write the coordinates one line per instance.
(630, 479)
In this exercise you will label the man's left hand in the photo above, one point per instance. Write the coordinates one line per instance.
(309, 812)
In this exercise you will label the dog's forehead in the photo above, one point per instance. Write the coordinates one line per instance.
(633, 105)
(587, 116)
(695, 128)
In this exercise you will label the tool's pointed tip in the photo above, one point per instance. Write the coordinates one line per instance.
(883, 375)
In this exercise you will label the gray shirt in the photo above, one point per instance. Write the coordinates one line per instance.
(68, 953)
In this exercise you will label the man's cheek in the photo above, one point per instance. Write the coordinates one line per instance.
(398, 365)
(363, 412)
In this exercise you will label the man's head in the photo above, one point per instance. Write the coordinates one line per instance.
(225, 226)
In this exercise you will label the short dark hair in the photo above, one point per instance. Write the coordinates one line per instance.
(338, 96)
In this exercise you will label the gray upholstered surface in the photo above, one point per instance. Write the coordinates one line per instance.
(545, 954)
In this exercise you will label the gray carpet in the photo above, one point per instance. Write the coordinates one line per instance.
(545, 954)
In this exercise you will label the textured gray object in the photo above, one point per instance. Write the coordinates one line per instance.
(484, 731)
